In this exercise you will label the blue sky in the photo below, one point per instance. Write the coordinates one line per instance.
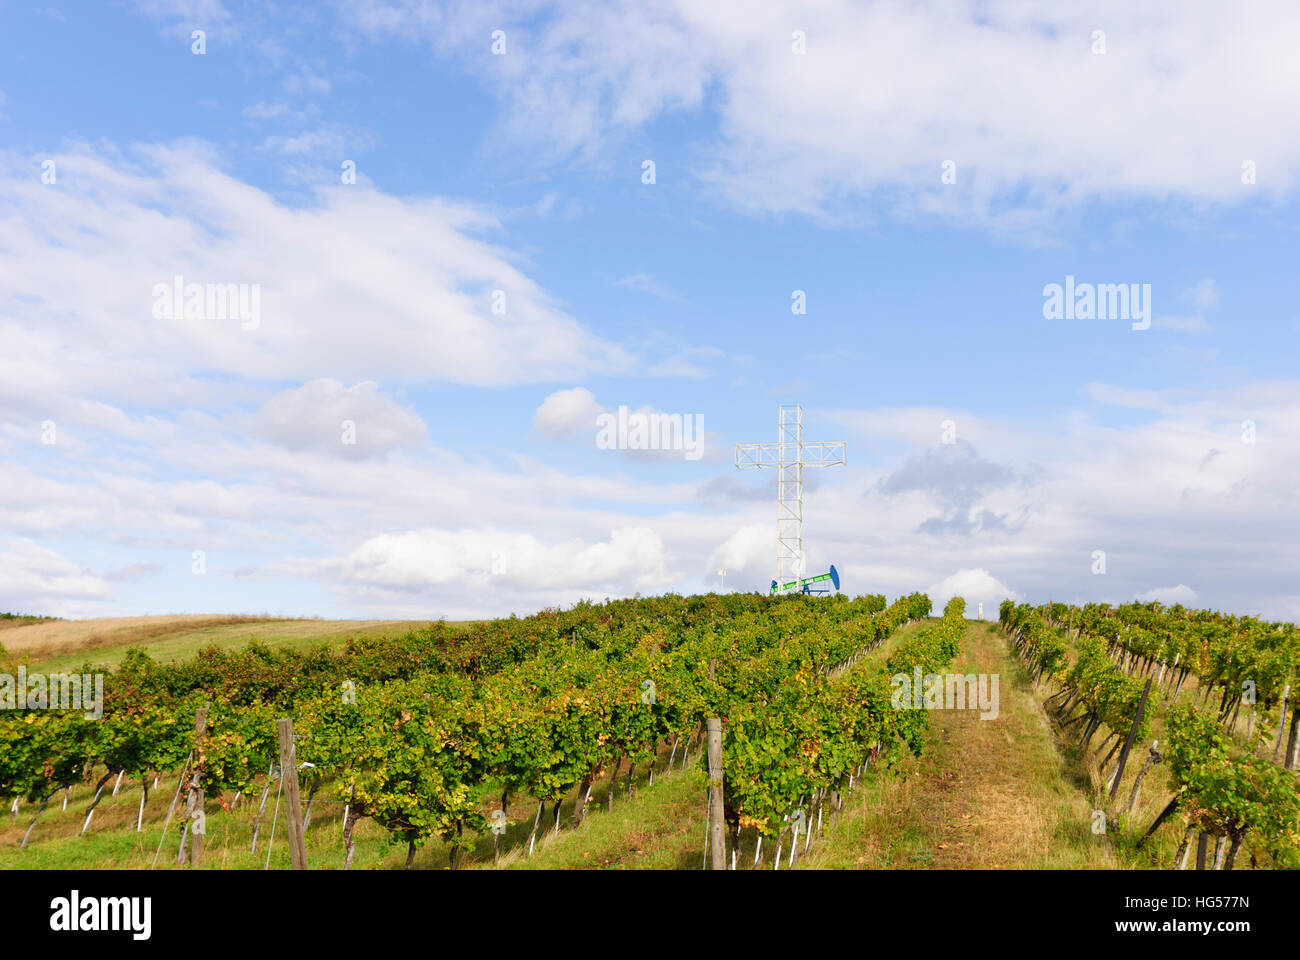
(476, 486)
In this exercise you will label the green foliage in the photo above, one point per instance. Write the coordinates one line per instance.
(1223, 792)
(1231, 796)
(414, 732)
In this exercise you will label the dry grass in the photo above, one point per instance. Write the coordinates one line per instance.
(65, 636)
(10, 621)
(69, 643)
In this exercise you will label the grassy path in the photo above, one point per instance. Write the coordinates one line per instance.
(993, 793)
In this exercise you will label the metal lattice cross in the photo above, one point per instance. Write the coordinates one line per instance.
(789, 455)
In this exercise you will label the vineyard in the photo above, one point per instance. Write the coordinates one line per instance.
(415, 733)
(443, 737)
(1126, 670)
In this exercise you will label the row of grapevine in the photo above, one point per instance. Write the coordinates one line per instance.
(1228, 795)
(415, 733)
(800, 735)
(1236, 660)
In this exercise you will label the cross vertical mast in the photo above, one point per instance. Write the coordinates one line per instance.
(789, 455)
(789, 493)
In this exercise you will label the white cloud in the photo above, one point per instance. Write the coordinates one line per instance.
(328, 142)
(750, 550)
(358, 286)
(35, 579)
(1148, 494)
(325, 415)
(975, 586)
(1170, 595)
(1013, 89)
(573, 413)
(566, 412)
(418, 560)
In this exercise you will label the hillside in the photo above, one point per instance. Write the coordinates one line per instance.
(64, 644)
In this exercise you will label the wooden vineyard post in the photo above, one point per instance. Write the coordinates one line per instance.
(293, 805)
(717, 828)
(1153, 756)
(194, 802)
(1132, 735)
(1293, 742)
(1184, 849)
(1281, 721)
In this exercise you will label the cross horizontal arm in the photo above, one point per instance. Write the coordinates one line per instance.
(812, 453)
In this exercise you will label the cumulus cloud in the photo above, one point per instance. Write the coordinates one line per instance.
(202, 434)
(956, 477)
(1170, 595)
(326, 416)
(975, 586)
(1148, 494)
(750, 550)
(36, 579)
(417, 561)
(358, 285)
(566, 412)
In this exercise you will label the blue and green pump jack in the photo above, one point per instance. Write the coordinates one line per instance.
(804, 585)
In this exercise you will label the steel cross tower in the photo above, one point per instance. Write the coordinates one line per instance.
(789, 455)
